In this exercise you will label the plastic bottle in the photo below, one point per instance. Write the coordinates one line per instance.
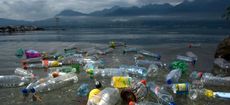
(143, 103)
(67, 69)
(55, 83)
(108, 96)
(32, 54)
(196, 75)
(138, 57)
(31, 61)
(23, 72)
(139, 89)
(153, 70)
(72, 60)
(222, 63)
(147, 53)
(148, 62)
(134, 70)
(192, 55)
(107, 72)
(105, 51)
(181, 88)
(163, 96)
(14, 80)
(178, 64)
(19, 53)
(127, 50)
(209, 79)
(45, 64)
(121, 81)
(173, 76)
(83, 90)
(185, 58)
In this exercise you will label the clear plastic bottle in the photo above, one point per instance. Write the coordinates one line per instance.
(185, 58)
(107, 72)
(83, 90)
(134, 70)
(192, 55)
(163, 96)
(173, 76)
(31, 60)
(14, 80)
(23, 72)
(121, 81)
(148, 62)
(139, 89)
(55, 83)
(72, 60)
(44, 64)
(147, 53)
(153, 70)
(209, 79)
(105, 51)
(127, 50)
(222, 63)
(108, 96)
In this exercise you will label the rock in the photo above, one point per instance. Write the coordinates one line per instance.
(223, 51)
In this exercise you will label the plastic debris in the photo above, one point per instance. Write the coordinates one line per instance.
(83, 90)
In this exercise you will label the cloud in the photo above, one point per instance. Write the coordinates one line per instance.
(41, 9)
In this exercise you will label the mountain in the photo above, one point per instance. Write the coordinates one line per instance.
(4, 22)
(70, 13)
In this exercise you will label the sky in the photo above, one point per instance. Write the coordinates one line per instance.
(42, 9)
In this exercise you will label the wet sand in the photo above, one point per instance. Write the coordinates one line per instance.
(67, 95)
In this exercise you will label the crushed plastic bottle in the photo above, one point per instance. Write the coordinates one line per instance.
(108, 96)
(121, 81)
(163, 96)
(55, 83)
(83, 90)
(173, 76)
(14, 80)
(178, 64)
(209, 79)
(147, 53)
(32, 54)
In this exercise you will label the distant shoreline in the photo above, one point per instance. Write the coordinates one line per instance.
(20, 28)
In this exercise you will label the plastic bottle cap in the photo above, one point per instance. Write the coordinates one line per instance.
(144, 82)
(199, 74)
(32, 90)
(131, 103)
(55, 74)
(172, 103)
(24, 91)
(98, 84)
(169, 81)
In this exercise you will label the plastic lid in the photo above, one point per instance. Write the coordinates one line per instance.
(24, 91)
(32, 90)
(98, 84)
(131, 103)
(169, 81)
(199, 74)
(172, 103)
(144, 82)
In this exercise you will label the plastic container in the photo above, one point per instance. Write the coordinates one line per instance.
(163, 96)
(83, 90)
(32, 54)
(147, 53)
(14, 80)
(173, 76)
(209, 79)
(23, 72)
(185, 58)
(108, 96)
(134, 70)
(55, 83)
(121, 81)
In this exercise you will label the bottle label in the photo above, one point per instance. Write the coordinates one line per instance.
(121, 82)
(181, 88)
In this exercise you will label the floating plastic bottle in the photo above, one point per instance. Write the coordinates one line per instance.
(181, 88)
(23, 72)
(83, 90)
(148, 63)
(31, 61)
(72, 60)
(178, 64)
(32, 54)
(134, 70)
(222, 63)
(209, 79)
(121, 81)
(14, 80)
(163, 96)
(153, 70)
(143, 103)
(108, 96)
(173, 76)
(194, 45)
(19, 53)
(75, 68)
(186, 59)
(128, 50)
(196, 75)
(44, 64)
(105, 51)
(147, 53)
(192, 55)
(107, 72)
(55, 83)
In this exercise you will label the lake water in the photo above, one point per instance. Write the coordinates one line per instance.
(168, 44)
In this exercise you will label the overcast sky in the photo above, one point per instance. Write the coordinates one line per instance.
(41, 9)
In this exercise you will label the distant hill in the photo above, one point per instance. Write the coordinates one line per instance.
(70, 13)
(4, 22)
